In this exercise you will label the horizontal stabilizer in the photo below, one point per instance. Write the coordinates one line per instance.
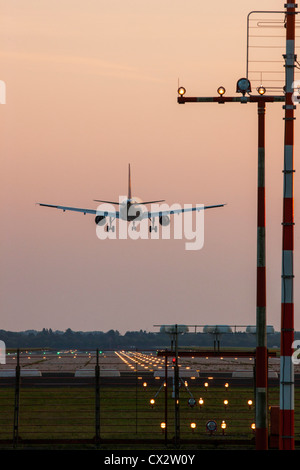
(107, 202)
(149, 202)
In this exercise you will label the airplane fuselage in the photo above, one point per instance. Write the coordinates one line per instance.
(130, 209)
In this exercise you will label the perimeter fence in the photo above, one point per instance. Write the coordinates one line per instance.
(110, 398)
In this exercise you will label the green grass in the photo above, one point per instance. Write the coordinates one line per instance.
(125, 412)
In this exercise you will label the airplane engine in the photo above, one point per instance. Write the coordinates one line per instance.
(164, 220)
(100, 220)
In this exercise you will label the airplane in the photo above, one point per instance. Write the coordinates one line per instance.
(130, 210)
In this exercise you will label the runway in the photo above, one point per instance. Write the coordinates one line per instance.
(129, 368)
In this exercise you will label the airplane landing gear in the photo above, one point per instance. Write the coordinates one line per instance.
(152, 227)
(110, 227)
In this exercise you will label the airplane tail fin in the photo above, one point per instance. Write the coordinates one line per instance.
(129, 182)
(129, 190)
(129, 194)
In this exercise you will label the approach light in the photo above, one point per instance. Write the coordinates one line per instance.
(163, 426)
(211, 426)
(193, 426)
(152, 402)
(261, 90)
(221, 90)
(243, 86)
(181, 91)
(223, 426)
(191, 402)
(250, 402)
(201, 402)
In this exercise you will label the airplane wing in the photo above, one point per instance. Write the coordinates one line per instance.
(152, 215)
(115, 214)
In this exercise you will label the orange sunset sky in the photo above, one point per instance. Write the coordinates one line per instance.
(92, 86)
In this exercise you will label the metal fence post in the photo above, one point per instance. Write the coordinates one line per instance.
(136, 393)
(97, 399)
(166, 398)
(17, 402)
(176, 379)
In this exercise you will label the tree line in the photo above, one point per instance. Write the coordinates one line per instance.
(112, 339)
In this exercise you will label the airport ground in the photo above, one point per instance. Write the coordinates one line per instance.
(57, 398)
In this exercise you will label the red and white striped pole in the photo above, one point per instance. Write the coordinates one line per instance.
(261, 421)
(286, 426)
